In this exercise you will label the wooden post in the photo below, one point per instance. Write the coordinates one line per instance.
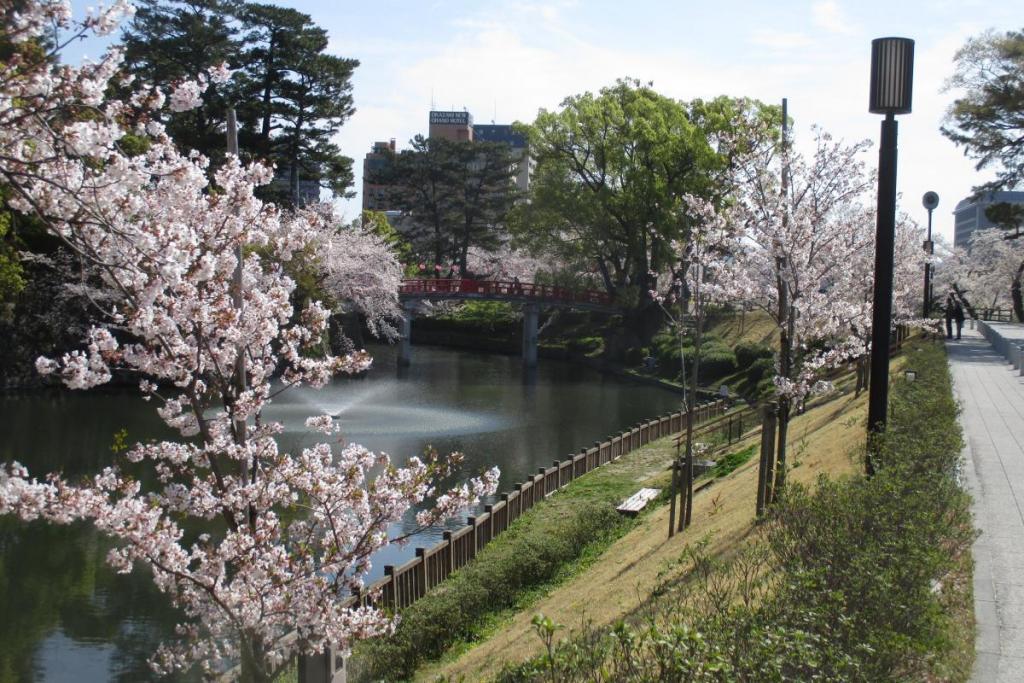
(489, 509)
(450, 555)
(421, 575)
(765, 478)
(389, 571)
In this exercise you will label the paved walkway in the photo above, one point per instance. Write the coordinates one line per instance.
(991, 395)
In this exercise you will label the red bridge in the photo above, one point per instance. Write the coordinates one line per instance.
(503, 290)
(533, 296)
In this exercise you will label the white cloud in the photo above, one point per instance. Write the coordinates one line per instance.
(827, 14)
(779, 40)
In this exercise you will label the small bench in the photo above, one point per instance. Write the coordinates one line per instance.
(637, 502)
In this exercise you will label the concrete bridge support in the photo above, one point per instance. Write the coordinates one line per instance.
(531, 314)
(405, 329)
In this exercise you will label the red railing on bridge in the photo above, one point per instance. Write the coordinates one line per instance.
(430, 287)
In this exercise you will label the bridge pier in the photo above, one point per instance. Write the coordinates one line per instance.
(531, 314)
(405, 329)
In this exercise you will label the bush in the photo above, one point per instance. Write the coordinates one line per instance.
(585, 345)
(523, 557)
(747, 353)
(840, 584)
(759, 369)
(716, 363)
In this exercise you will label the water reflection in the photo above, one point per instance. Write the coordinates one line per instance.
(66, 616)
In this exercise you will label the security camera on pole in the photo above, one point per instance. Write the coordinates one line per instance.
(930, 202)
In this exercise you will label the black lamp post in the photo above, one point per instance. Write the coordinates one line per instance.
(930, 202)
(892, 79)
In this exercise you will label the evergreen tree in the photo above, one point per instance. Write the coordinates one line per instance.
(988, 121)
(453, 196)
(293, 98)
(290, 95)
(484, 198)
(171, 40)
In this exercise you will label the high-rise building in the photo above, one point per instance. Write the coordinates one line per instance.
(456, 126)
(504, 132)
(376, 161)
(970, 214)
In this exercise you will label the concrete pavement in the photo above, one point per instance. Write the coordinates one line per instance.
(991, 395)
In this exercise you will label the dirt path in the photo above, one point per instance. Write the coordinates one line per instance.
(822, 440)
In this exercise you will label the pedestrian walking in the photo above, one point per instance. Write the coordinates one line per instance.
(950, 310)
(958, 316)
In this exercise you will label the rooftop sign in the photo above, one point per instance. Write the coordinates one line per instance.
(451, 118)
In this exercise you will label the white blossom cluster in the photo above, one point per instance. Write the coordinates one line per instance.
(298, 529)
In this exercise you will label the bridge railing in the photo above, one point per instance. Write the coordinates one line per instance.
(502, 288)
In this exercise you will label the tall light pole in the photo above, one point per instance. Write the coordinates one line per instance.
(892, 78)
(930, 202)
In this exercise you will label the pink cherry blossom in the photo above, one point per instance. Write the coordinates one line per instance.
(298, 529)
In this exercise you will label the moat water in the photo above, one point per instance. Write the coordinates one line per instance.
(65, 616)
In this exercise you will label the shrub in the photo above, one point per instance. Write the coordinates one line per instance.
(730, 462)
(759, 369)
(747, 353)
(522, 558)
(585, 345)
(838, 585)
(716, 360)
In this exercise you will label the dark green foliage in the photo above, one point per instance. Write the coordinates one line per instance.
(988, 120)
(716, 361)
(586, 345)
(730, 462)
(634, 356)
(850, 580)
(526, 555)
(290, 94)
(454, 196)
(173, 40)
(760, 369)
(747, 353)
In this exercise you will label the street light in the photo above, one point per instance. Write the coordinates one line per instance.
(892, 79)
(930, 202)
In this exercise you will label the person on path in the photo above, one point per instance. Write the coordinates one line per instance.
(958, 316)
(950, 308)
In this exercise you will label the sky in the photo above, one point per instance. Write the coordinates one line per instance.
(503, 60)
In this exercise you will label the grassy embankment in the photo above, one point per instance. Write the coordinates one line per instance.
(493, 592)
(849, 580)
(631, 568)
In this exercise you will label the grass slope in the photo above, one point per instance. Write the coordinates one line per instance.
(822, 441)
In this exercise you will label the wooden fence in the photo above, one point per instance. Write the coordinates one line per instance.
(403, 585)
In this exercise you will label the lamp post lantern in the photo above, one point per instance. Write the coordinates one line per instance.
(930, 202)
(892, 77)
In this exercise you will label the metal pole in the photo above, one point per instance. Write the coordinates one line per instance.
(928, 270)
(881, 319)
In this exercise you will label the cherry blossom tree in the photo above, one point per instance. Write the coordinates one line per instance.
(987, 275)
(212, 339)
(802, 222)
(711, 241)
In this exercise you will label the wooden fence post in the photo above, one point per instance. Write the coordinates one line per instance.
(766, 468)
(421, 575)
(391, 590)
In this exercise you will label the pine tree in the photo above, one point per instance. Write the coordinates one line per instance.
(293, 99)
(172, 40)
